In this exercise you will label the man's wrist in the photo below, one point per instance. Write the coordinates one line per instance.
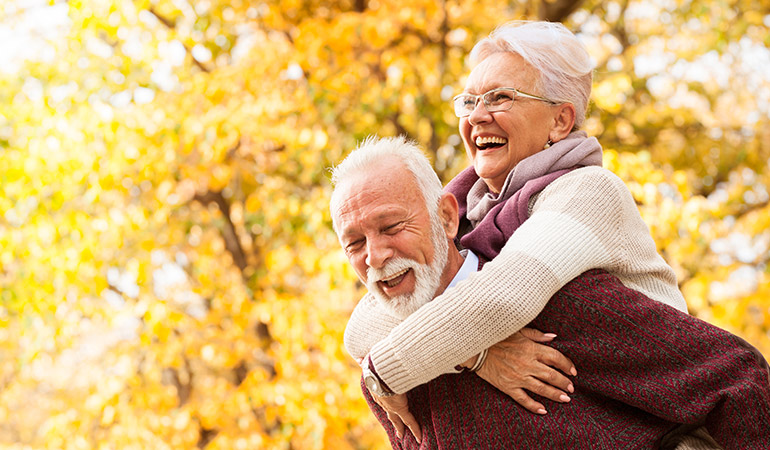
(373, 381)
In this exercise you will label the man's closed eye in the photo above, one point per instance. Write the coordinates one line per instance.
(354, 246)
(393, 229)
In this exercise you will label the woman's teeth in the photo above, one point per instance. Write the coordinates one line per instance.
(490, 141)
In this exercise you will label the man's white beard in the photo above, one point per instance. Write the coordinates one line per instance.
(427, 276)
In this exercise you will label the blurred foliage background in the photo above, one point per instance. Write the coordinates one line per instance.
(168, 274)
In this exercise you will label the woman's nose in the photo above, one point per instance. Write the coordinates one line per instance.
(479, 113)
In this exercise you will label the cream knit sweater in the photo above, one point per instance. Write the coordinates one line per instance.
(586, 219)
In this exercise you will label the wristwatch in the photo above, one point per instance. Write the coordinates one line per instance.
(372, 381)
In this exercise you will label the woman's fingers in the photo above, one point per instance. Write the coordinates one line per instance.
(553, 378)
(520, 364)
(537, 335)
(546, 391)
(523, 399)
(555, 358)
(549, 355)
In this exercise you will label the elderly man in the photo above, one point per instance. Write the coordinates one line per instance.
(639, 380)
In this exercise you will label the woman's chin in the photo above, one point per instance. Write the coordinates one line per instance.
(489, 174)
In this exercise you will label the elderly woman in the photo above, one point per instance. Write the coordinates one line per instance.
(520, 115)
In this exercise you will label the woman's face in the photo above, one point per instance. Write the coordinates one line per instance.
(497, 141)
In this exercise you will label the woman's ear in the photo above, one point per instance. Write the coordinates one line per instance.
(564, 120)
(448, 212)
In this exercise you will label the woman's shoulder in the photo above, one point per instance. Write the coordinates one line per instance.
(593, 173)
(591, 178)
(591, 188)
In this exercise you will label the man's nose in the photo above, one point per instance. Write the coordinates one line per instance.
(479, 113)
(377, 252)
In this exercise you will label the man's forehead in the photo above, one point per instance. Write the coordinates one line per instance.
(391, 178)
(372, 204)
(379, 199)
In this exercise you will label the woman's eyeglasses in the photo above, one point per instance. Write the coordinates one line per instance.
(500, 99)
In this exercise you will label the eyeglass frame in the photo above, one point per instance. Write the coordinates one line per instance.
(515, 91)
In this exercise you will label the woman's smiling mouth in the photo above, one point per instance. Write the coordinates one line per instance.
(485, 142)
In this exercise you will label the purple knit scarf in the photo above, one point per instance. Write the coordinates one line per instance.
(494, 218)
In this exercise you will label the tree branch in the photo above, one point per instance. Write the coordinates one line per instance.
(232, 243)
(171, 25)
(205, 436)
(400, 130)
(183, 390)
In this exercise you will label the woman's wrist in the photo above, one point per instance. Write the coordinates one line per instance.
(474, 363)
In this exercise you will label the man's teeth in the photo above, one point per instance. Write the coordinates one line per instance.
(487, 140)
(393, 280)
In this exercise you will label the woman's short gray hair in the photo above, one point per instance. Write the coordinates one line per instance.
(565, 67)
(370, 153)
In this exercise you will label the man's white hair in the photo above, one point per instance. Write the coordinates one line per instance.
(565, 67)
(369, 156)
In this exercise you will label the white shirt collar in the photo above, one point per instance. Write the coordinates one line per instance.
(470, 265)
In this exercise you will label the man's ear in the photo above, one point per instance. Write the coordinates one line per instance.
(448, 211)
(564, 120)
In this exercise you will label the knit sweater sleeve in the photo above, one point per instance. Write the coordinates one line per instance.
(369, 323)
(584, 220)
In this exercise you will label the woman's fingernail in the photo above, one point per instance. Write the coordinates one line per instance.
(542, 411)
(549, 335)
(573, 371)
(571, 388)
(564, 397)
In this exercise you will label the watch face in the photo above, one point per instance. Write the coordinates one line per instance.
(371, 383)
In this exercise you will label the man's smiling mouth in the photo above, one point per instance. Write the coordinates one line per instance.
(395, 279)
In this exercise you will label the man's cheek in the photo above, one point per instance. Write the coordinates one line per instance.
(360, 268)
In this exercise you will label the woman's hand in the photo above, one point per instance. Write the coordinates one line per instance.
(397, 407)
(522, 362)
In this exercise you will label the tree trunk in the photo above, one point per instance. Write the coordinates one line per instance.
(557, 10)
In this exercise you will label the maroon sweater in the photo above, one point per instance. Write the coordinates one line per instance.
(644, 368)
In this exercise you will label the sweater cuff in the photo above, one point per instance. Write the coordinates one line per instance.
(389, 368)
(370, 364)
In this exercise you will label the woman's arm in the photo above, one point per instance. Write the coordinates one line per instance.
(585, 219)
(369, 323)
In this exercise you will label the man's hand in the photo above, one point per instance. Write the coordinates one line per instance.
(521, 362)
(397, 408)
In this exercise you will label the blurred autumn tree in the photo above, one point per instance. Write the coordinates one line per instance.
(168, 275)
